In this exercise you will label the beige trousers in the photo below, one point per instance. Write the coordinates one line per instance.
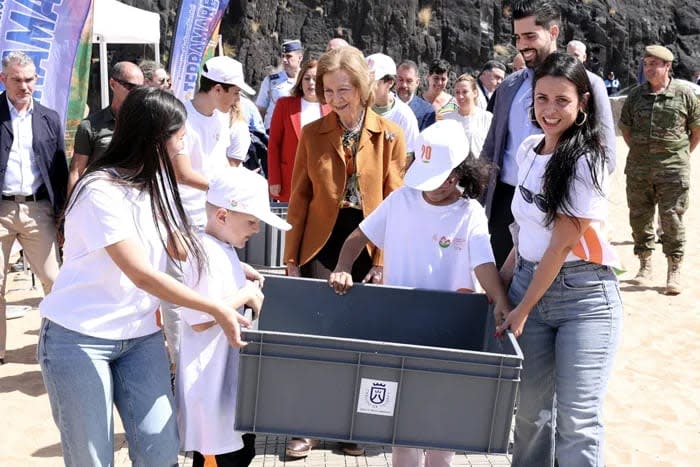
(33, 225)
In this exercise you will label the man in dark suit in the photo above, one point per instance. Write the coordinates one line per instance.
(33, 175)
(492, 74)
(407, 84)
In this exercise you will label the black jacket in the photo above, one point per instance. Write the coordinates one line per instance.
(47, 142)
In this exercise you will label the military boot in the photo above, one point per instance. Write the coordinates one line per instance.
(643, 277)
(673, 278)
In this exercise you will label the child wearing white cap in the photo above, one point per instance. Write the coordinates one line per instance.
(209, 137)
(207, 369)
(434, 235)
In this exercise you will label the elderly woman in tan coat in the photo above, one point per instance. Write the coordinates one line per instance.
(347, 163)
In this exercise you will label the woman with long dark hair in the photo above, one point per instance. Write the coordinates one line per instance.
(567, 309)
(100, 343)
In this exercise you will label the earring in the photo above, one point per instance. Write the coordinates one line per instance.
(531, 114)
(583, 120)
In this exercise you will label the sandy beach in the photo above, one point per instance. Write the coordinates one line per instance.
(652, 415)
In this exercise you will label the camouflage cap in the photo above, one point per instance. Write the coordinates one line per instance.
(658, 51)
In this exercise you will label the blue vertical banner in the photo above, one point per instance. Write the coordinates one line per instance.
(196, 22)
(49, 32)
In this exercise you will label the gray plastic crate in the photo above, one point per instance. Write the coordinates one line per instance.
(266, 248)
(380, 365)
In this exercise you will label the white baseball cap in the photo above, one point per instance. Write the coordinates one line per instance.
(242, 190)
(226, 70)
(442, 147)
(381, 65)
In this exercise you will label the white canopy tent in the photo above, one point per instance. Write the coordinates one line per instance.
(117, 23)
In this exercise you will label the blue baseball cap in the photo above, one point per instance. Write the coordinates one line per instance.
(291, 45)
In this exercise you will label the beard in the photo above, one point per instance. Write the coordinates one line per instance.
(539, 56)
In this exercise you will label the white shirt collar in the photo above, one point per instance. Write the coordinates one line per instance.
(13, 109)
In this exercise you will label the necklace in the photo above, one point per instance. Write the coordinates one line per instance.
(357, 124)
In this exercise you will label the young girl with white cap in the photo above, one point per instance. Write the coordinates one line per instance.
(434, 235)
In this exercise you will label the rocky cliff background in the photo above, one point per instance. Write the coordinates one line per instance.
(464, 32)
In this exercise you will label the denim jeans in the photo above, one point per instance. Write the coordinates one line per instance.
(569, 344)
(85, 375)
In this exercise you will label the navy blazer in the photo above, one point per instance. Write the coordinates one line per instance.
(497, 137)
(48, 146)
(424, 112)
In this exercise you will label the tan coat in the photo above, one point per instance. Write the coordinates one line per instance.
(319, 177)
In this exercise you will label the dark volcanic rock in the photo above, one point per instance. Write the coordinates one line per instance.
(464, 32)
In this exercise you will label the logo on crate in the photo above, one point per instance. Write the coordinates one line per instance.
(377, 397)
(377, 394)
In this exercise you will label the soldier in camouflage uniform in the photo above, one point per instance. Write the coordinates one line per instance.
(660, 122)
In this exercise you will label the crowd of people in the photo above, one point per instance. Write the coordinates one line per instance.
(512, 169)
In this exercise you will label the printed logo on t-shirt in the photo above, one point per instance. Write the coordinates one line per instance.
(444, 242)
(426, 153)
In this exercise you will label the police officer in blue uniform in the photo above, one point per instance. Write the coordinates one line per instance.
(279, 84)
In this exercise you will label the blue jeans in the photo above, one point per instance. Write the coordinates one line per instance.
(569, 344)
(85, 375)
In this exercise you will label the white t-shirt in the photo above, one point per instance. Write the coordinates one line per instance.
(587, 203)
(476, 126)
(426, 246)
(91, 294)
(206, 141)
(239, 141)
(401, 114)
(310, 112)
(207, 367)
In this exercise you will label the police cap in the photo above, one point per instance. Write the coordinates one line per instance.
(291, 46)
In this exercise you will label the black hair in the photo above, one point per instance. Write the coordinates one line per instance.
(546, 12)
(473, 175)
(491, 64)
(579, 140)
(206, 84)
(138, 157)
(439, 67)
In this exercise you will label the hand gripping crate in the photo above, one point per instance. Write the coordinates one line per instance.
(266, 248)
(380, 365)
